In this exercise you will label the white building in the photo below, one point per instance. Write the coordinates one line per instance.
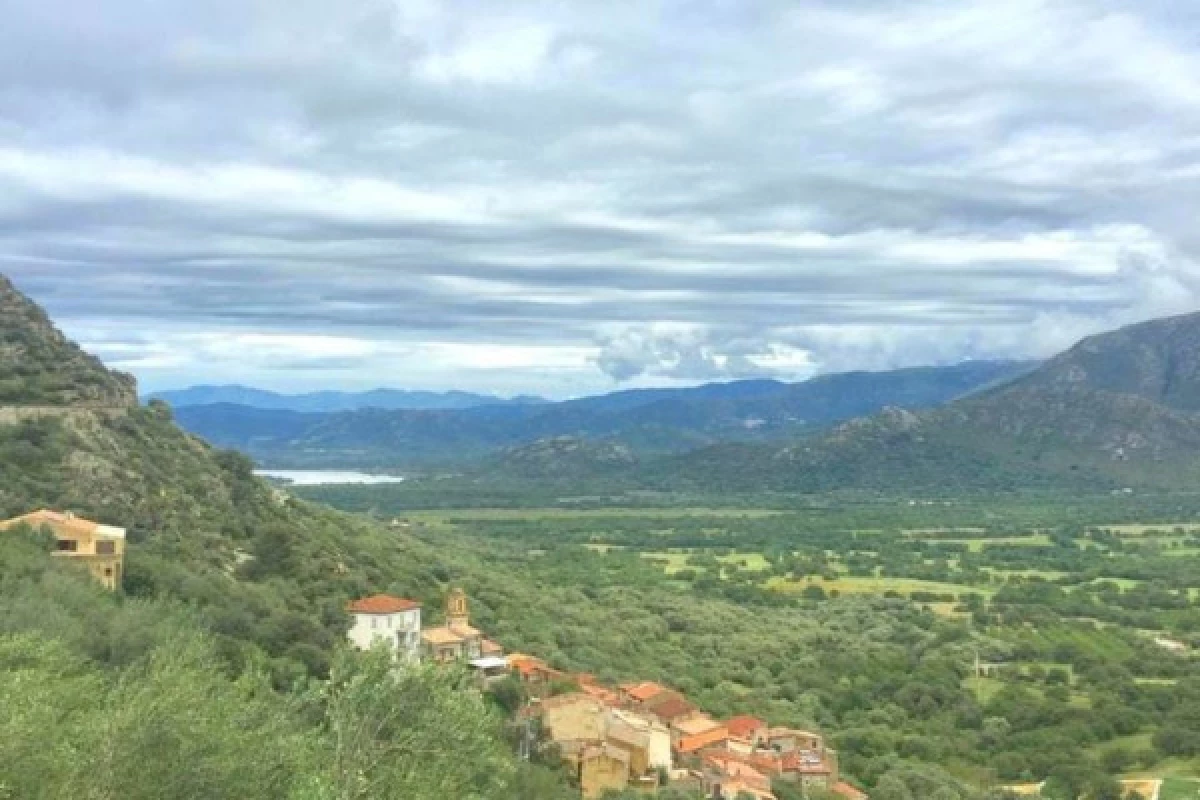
(395, 621)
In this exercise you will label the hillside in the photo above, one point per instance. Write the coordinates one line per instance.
(332, 401)
(39, 367)
(646, 421)
(1116, 410)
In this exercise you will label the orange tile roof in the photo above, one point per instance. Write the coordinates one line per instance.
(532, 665)
(382, 604)
(492, 648)
(604, 695)
(744, 727)
(60, 520)
(440, 636)
(697, 723)
(743, 776)
(699, 741)
(643, 691)
(768, 763)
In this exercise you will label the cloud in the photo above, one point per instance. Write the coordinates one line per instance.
(553, 197)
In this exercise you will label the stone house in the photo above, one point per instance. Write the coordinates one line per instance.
(601, 768)
(457, 640)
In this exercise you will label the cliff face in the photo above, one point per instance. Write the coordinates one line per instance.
(40, 367)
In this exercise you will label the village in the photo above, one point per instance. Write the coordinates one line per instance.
(640, 735)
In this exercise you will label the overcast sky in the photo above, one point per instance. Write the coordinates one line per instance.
(565, 197)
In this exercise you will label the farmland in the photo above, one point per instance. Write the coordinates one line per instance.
(1045, 620)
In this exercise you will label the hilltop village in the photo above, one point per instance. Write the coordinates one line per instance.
(639, 735)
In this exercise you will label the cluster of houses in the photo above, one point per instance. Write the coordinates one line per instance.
(639, 735)
(644, 734)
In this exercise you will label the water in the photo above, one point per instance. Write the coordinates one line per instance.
(318, 477)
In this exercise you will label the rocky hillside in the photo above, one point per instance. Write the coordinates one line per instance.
(263, 571)
(1118, 409)
(40, 367)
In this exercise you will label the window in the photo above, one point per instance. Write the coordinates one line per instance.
(105, 548)
(66, 545)
(108, 572)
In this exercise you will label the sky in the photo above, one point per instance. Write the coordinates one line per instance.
(569, 197)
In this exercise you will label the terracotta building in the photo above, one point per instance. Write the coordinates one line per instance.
(101, 548)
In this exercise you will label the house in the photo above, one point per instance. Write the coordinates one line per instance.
(669, 706)
(574, 717)
(637, 694)
(588, 685)
(457, 640)
(395, 621)
(785, 740)
(489, 669)
(746, 734)
(537, 675)
(603, 767)
(697, 732)
(101, 548)
(734, 780)
(657, 735)
(811, 769)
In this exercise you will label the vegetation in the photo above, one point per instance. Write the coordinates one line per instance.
(221, 670)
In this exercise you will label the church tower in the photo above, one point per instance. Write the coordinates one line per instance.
(456, 609)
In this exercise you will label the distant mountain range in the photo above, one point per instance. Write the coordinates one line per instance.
(643, 422)
(332, 401)
(1118, 410)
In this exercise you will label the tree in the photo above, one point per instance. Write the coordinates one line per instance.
(417, 732)
(891, 787)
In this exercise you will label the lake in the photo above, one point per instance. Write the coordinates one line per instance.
(318, 477)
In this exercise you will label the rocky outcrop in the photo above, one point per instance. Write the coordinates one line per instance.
(40, 369)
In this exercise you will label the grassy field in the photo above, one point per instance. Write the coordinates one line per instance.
(978, 545)
(589, 513)
(860, 585)
(1180, 789)
(1142, 530)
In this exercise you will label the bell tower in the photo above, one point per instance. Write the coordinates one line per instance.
(456, 609)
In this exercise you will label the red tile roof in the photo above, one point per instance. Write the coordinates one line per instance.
(806, 763)
(670, 706)
(699, 741)
(744, 727)
(382, 604)
(643, 691)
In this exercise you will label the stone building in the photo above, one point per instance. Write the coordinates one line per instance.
(457, 640)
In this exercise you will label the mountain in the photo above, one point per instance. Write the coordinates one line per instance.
(330, 400)
(223, 650)
(39, 367)
(202, 528)
(1120, 409)
(646, 421)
